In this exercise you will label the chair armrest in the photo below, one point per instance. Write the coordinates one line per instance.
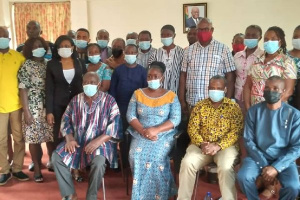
(178, 134)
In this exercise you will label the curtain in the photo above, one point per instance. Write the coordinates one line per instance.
(54, 19)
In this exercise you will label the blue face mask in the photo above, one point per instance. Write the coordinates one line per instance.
(216, 95)
(131, 41)
(145, 45)
(94, 59)
(90, 90)
(167, 41)
(39, 52)
(81, 44)
(48, 56)
(4, 43)
(271, 46)
(102, 43)
(154, 84)
(130, 59)
(251, 43)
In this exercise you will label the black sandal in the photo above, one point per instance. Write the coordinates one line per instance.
(78, 178)
(38, 178)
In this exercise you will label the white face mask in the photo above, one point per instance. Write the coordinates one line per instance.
(65, 52)
(296, 43)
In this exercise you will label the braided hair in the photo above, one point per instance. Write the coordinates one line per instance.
(279, 33)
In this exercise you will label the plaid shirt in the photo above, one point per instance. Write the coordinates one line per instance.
(202, 63)
(143, 58)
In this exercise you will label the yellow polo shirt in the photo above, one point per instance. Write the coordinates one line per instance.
(10, 64)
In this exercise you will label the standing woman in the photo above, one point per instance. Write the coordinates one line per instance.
(32, 76)
(95, 65)
(295, 55)
(171, 55)
(63, 81)
(153, 114)
(273, 62)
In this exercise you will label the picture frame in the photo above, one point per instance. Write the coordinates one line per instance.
(191, 16)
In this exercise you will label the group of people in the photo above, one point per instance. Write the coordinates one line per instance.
(82, 98)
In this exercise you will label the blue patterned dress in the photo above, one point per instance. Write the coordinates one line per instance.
(149, 160)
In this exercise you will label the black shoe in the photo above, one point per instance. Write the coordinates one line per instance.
(31, 167)
(21, 176)
(4, 178)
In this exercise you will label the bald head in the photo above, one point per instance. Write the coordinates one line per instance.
(118, 43)
(102, 35)
(71, 34)
(33, 29)
(91, 78)
(132, 35)
(4, 32)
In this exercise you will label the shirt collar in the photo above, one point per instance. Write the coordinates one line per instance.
(257, 53)
(278, 58)
(140, 51)
(211, 42)
(225, 101)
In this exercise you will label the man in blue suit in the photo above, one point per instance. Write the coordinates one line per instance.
(194, 20)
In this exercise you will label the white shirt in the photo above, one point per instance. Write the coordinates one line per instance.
(69, 75)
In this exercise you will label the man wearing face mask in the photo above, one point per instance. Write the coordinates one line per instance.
(33, 30)
(81, 42)
(171, 55)
(131, 38)
(117, 58)
(102, 40)
(96, 118)
(145, 48)
(214, 127)
(275, 156)
(125, 80)
(201, 61)
(10, 110)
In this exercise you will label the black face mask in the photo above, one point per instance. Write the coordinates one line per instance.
(271, 97)
(116, 52)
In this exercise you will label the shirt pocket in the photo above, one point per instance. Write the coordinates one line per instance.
(216, 62)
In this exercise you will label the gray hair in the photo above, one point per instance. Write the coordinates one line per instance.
(219, 77)
(205, 19)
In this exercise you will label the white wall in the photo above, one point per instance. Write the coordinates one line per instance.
(228, 16)
(122, 16)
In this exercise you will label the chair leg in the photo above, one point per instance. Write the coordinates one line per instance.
(103, 187)
(196, 185)
(121, 163)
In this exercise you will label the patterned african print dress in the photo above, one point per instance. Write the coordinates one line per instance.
(32, 76)
(149, 160)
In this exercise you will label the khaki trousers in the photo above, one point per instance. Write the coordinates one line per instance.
(195, 160)
(19, 145)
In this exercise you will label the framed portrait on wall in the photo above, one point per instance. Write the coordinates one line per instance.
(192, 13)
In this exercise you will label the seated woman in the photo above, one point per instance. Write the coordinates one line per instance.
(95, 65)
(153, 113)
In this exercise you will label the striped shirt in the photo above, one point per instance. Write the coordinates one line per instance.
(173, 63)
(87, 123)
(202, 63)
(143, 58)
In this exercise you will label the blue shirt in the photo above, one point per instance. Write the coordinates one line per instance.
(124, 82)
(272, 137)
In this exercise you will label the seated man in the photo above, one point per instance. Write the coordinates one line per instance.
(214, 127)
(272, 140)
(91, 119)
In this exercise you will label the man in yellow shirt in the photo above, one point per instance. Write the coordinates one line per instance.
(214, 127)
(10, 110)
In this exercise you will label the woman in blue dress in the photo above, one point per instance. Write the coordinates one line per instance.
(153, 114)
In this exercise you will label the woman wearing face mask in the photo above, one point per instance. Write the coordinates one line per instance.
(153, 114)
(295, 55)
(238, 43)
(171, 55)
(63, 82)
(95, 65)
(32, 76)
(274, 62)
(244, 59)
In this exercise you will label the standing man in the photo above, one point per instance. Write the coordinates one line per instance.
(117, 58)
(194, 19)
(131, 38)
(192, 35)
(102, 40)
(201, 61)
(82, 40)
(145, 48)
(10, 110)
(214, 127)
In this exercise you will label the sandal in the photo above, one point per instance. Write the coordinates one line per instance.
(38, 178)
(270, 190)
(77, 176)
